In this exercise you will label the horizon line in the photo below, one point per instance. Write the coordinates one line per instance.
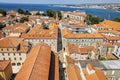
(56, 3)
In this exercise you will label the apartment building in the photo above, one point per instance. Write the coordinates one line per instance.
(104, 48)
(74, 71)
(109, 32)
(74, 15)
(112, 39)
(76, 53)
(15, 30)
(110, 68)
(15, 50)
(38, 34)
(80, 39)
(107, 25)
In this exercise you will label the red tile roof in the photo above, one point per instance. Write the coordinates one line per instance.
(110, 56)
(1, 35)
(97, 75)
(69, 60)
(73, 48)
(112, 37)
(36, 66)
(108, 24)
(38, 32)
(73, 72)
(10, 42)
(4, 64)
(118, 43)
(83, 50)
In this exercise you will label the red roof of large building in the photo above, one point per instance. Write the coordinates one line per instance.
(39, 65)
(36, 66)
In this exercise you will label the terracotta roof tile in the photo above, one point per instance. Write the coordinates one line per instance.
(108, 24)
(11, 12)
(56, 68)
(23, 46)
(109, 45)
(36, 66)
(73, 48)
(69, 60)
(4, 64)
(37, 32)
(118, 43)
(75, 13)
(110, 56)
(83, 51)
(112, 37)
(97, 75)
(89, 47)
(81, 24)
(10, 42)
(2, 19)
(1, 34)
(73, 72)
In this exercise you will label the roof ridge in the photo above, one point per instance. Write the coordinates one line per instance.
(96, 74)
(34, 62)
(75, 71)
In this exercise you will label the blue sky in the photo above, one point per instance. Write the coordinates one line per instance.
(60, 1)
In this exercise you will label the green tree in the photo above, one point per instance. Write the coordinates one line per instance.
(54, 14)
(2, 25)
(27, 13)
(50, 13)
(43, 14)
(116, 19)
(20, 11)
(37, 13)
(24, 19)
(59, 14)
(93, 19)
(3, 12)
(102, 58)
(12, 16)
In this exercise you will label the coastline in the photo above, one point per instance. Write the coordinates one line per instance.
(100, 12)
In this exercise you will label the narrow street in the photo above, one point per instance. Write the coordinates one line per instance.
(60, 53)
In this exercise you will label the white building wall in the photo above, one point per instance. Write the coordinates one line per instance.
(117, 51)
(16, 58)
(51, 42)
(80, 42)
